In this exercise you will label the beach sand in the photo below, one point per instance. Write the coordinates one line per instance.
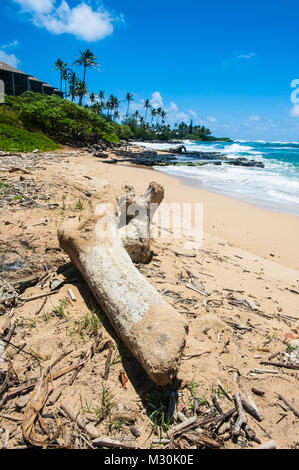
(247, 253)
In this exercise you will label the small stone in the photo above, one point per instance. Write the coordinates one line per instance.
(22, 401)
(134, 431)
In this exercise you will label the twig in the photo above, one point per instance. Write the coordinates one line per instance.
(82, 422)
(35, 297)
(107, 365)
(223, 391)
(289, 406)
(280, 419)
(190, 356)
(25, 388)
(280, 364)
(43, 304)
(108, 442)
(252, 411)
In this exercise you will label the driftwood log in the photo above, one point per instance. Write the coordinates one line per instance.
(152, 329)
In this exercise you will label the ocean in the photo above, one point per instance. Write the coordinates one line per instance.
(275, 187)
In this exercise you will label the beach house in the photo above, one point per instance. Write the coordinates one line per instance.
(17, 82)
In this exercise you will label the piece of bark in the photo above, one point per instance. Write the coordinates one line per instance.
(107, 365)
(153, 330)
(242, 418)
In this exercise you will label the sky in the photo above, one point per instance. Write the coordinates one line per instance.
(229, 65)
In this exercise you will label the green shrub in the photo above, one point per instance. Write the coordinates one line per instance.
(13, 139)
(61, 119)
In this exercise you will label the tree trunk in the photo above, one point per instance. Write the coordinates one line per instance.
(151, 328)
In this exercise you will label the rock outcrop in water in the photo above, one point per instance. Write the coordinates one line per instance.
(152, 158)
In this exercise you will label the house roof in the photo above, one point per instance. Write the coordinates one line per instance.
(33, 79)
(9, 68)
(47, 84)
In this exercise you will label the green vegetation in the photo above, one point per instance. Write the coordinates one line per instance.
(158, 408)
(86, 326)
(14, 139)
(63, 120)
(104, 409)
(32, 120)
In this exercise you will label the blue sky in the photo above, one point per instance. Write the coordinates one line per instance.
(225, 64)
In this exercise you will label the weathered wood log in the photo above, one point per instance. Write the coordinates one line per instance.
(136, 234)
(154, 331)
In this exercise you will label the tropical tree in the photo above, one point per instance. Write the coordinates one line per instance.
(163, 116)
(81, 90)
(129, 99)
(73, 82)
(112, 104)
(159, 111)
(86, 59)
(92, 98)
(61, 67)
(147, 106)
(116, 115)
(153, 113)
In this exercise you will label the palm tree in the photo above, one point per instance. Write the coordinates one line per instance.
(136, 115)
(163, 116)
(92, 98)
(147, 105)
(159, 111)
(64, 74)
(73, 82)
(61, 67)
(116, 115)
(129, 98)
(81, 90)
(87, 60)
(112, 104)
(153, 113)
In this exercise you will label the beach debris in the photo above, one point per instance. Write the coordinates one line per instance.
(108, 363)
(33, 413)
(258, 392)
(135, 235)
(109, 442)
(296, 413)
(123, 379)
(72, 295)
(152, 330)
(242, 418)
(83, 423)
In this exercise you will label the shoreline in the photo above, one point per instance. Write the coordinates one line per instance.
(225, 217)
(204, 181)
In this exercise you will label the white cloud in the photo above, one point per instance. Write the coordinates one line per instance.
(193, 113)
(10, 44)
(254, 118)
(247, 56)
(36, 6)
(211, 119)
(82, 20)
(9, 59)
(156, 100)
(295, 110)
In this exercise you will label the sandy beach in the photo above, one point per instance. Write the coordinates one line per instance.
(247, 266)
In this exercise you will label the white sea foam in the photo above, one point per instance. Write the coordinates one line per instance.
(275, 187)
